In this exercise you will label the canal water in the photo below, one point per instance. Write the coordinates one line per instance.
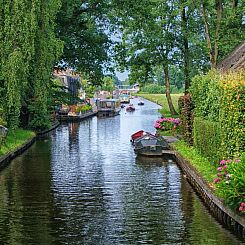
(84, 185)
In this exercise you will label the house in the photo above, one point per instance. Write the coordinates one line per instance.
(234, 61)
(70, 80)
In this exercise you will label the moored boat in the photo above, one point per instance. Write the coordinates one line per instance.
(108, 107)
(149, 144)
(141, 102)
(130, 107)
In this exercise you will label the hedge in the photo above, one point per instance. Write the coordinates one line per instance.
(221, 98)
(232, 114)
(186, 116)
(207, 139)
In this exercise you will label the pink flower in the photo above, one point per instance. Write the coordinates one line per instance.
(242, 204)
(225, 167)
(241, 208)
(237, 160)
(219, 169)
(222, 162)
(229, 160)
(216, 180)
(219, 174)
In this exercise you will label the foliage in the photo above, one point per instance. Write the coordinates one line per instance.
(232, 114)
(83, 108)
(220, 98)
(81, 25)
(15, 138)
(186, 108)
(206, 94)
(207, 139)
(230, 182)
(108, 84)
(153, 89)
(28, 50)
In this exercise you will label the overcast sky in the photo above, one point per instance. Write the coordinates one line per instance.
(122, 76)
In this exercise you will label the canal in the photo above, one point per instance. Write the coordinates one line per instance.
(84, 185)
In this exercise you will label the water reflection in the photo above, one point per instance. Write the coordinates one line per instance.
(84, 185)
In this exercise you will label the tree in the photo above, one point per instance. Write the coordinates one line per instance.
(81, 26)
(28, 50)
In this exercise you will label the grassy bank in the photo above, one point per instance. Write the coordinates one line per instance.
(15, 139)
(200, 163)
(161, 100)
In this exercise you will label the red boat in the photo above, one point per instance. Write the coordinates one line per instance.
(136, 135)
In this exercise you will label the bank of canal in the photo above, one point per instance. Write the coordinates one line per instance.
(84, 185)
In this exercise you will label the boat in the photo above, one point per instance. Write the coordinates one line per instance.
(150, 145)
(124, 98)
(122, 105)
(141, 102)
(108, 107)
(130, 107)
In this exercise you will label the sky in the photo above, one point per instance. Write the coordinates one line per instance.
(122, 75)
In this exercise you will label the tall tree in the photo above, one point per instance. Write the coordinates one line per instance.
(82, 25)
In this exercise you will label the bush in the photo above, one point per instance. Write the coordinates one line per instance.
(206, 95)
(207, 139)
(232, 114)
(186, 116)
(153, 89)
(221, 98)
(83, 108)
(230, 183)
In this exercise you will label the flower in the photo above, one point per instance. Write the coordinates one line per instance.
(222, 162)
(219, 169)
(216, 180)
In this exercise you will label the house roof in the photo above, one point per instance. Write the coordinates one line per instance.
(235, 60)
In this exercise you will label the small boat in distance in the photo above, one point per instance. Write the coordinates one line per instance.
(141, 102)
(130, 108)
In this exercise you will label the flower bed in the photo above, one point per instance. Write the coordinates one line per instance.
(230, 183)
(167, 124)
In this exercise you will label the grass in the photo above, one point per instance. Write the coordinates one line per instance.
(200, 163)
(162, 100)
(15, 139)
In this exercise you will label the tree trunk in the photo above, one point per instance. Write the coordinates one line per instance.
(167, 85)
(219, 10)
(186, 53)
(207, 35)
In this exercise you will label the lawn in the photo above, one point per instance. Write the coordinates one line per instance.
(15, 139)
(161, 100)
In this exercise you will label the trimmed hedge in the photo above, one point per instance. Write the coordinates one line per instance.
(186, 116)
(207, 139)
(221, 98)
(153, 89)
(232, 114)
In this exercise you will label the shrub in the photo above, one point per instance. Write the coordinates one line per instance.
(186, 116)
(230, 183)
(206, 95)
(232, 114)
(153, 89)
(207, 139)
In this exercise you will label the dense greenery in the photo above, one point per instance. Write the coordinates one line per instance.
(186, 109)
(207, 139)
(28, 51)
(220, 98)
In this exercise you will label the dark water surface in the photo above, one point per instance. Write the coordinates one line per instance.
(84, 185)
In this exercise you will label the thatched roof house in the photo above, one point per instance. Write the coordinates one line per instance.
(235, 60)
